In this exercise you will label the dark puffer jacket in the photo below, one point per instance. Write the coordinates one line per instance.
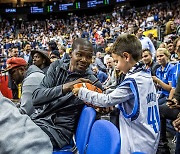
(57, 113)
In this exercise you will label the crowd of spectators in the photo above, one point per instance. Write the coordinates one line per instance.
(100, 29)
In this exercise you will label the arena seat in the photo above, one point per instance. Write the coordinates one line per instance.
(104, 138)
(138, 153)
(85, 124)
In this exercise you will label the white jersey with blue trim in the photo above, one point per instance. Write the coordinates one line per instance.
(140, 122)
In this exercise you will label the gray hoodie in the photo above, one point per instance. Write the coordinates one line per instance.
(32, 79)
(19, 134)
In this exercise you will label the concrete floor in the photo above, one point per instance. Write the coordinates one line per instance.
(171, 144)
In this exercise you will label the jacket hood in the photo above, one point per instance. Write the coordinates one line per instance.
(32, 69)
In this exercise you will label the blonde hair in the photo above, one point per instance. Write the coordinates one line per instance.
(168, 29)
(165, 51)
(107, 50)
(61, 47)
(163, 45)
(175, 43)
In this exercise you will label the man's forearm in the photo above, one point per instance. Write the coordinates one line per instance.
(41, 95)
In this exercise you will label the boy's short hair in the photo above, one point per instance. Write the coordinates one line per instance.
(128, 43)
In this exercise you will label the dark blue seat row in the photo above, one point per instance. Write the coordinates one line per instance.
(93, 137)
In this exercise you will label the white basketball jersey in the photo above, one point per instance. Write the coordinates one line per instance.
(140, 128)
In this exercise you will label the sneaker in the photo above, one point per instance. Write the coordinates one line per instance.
(163, 148)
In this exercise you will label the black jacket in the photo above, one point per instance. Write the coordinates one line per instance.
(57, 113)
(154, 67)
(177, 91)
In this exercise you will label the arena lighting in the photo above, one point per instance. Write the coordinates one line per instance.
(36, 9)
(120, 1)
(94, 3)
(97, 3)
(11, 10)
(56, 7)
(50, 8)
(63, 7)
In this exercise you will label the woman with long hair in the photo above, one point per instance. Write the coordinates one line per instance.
(163, 76)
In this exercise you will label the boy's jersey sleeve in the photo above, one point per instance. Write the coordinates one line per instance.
(119, 95)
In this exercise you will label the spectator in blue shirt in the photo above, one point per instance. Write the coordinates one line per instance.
(175, 73)
(100, 74)
(176, 68)
(148, 61)
(99, 63)
(85, 33)
(2, 62)
(145, 41)
(27, 54)
(163, 76)
(14, 52)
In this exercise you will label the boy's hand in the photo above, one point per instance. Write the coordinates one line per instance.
(75, 91)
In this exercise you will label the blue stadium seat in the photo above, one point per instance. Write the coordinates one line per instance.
(62, 152)
(104, 138)
(138, 153)
(85, 123)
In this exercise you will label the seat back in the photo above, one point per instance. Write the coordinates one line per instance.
(138, 153)
(85, 124)
(104, 138)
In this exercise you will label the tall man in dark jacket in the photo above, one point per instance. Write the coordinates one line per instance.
(57, 110)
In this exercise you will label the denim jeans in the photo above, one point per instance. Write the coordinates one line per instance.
(178, 144)
(166, 113)
(162, 99)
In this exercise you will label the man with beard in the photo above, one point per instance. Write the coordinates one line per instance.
(148, 61)
(29, 78)
(171, 49)
(145, 41)
(18, 132)
(27, 54)
(57, 110)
